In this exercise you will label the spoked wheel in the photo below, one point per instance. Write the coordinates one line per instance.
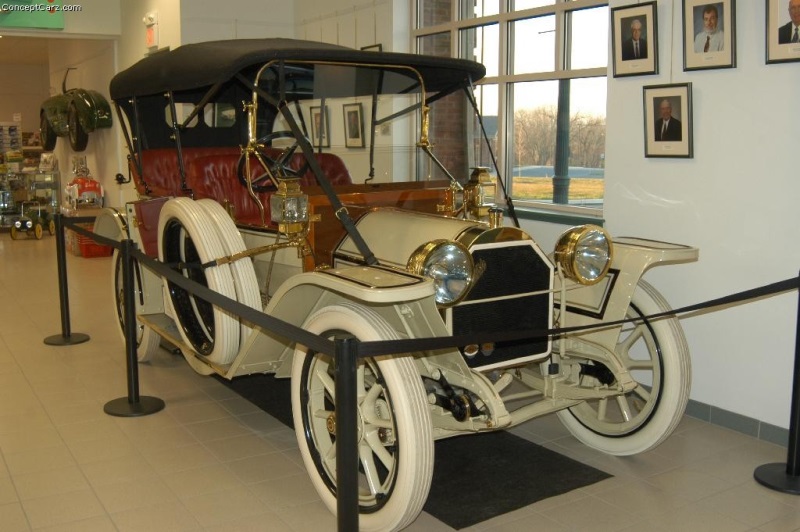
(395, 443)
(78, 137)
(14, 233)
(147, 340)
(38, 231)
(656, 354)
(267, 165)
(187, 240)
(51, 227)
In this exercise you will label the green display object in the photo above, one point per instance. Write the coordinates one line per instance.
(41, 14)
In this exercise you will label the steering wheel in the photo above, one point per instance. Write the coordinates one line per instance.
(277, 166)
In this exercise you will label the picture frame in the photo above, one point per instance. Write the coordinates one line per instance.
(634, 39)
(668, 137)
(353, 125)
(782, 18)
(320, 127)
(709, 34)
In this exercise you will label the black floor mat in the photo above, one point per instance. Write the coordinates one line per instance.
(475, 477)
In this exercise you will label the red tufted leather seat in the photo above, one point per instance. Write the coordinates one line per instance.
(212, 173)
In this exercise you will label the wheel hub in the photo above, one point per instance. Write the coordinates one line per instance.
(330, 425)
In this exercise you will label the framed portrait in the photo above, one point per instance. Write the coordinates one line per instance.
(353, 125)
(668, 120)
(320, 127)
(634, 39)
(783, 40)
(709, 34)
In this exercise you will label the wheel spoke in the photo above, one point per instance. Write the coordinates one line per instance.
(642, 392)
(602, 409)
(327, 381)
(374, 442)
(625, 345)
(370, 471)
(624, 408)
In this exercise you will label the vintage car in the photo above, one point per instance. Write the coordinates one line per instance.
(74, 113)
(33, 218)
(303, 179)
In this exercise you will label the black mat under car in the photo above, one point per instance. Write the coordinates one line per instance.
(475, 477)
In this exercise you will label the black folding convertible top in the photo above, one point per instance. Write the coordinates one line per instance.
(203, 64)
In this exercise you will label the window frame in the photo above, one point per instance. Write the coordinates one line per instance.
(505, 80)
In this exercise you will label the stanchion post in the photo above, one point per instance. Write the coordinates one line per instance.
(67, 337)
(346, 354)
(779, 476)
(132, 405)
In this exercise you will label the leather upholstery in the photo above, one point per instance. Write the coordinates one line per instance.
(212, 173)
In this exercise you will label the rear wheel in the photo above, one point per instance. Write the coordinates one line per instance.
(78, 137)
(656, 354)
(395, 442)
(51, 227)
(147, 340)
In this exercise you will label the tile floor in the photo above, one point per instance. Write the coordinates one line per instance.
(211, 461)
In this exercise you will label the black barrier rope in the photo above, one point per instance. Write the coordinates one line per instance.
(347, 351)
(387, 347)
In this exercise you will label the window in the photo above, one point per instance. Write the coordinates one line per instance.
(544, 91)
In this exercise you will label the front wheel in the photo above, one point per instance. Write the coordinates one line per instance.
(38, 231)
(656, 354)
(395, 442)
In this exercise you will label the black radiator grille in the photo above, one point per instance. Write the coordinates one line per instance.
(511, 273)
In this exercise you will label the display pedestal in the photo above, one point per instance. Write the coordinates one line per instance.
(71, 339)
(122, 407)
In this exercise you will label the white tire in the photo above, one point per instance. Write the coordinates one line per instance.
(242, 270)
(147, 340)
(187, 235)
(395, 442)
(656, 354)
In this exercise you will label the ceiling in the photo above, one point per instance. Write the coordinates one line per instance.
(23, 51)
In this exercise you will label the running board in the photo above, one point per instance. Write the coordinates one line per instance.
(165, 327)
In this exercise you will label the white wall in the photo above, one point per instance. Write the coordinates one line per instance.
(353, 24)
(736, 199)
(23, 91)
(203, 20)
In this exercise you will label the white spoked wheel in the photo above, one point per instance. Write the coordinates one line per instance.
(147, 340)
(656, 354)
(188, 239)
(242, 270)
(395, 442)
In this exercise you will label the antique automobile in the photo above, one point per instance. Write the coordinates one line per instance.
(74, 114)
(344, 191)
(32, 220)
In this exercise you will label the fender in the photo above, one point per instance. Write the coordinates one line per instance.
(609, 299)
(382, 289)
(94, 112)
(111, 223)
